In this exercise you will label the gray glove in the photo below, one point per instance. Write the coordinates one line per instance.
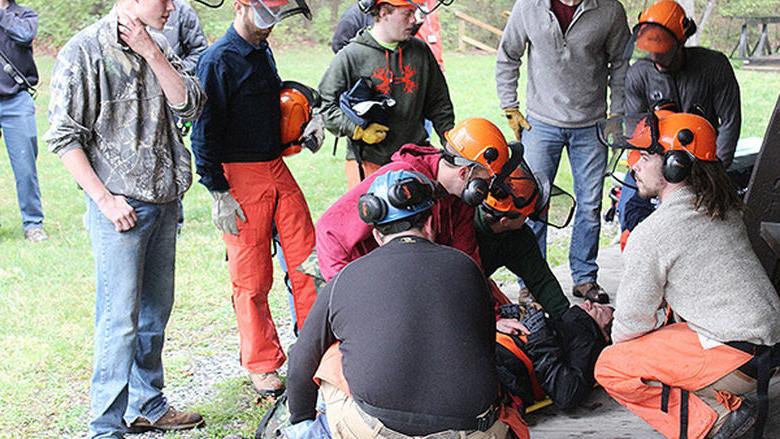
(314, 133)
(224, 211)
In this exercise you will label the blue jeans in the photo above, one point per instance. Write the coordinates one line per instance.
(134, 271)
(17, 120)
(588, 159)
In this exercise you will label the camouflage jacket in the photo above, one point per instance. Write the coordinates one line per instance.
(106, 100)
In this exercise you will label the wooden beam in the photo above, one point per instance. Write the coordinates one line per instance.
(478, 44)
(479, 23)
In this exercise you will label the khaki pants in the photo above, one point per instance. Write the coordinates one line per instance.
(347, 421)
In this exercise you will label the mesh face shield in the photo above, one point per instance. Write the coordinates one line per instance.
(654, 42)
(267, 13)
(625, 136)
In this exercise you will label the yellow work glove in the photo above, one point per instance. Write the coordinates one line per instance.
(516, 121)
(372, 134)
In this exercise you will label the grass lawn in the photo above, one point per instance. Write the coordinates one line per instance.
(47, 290)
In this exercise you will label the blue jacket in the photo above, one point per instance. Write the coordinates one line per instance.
(240, 122)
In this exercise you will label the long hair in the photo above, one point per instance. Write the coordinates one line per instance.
(714, 190)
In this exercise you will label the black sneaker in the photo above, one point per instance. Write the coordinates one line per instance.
(736, 423)
(591, 291)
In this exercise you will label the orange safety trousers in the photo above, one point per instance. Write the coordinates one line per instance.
(352, 170)
(633, 372)
(268, 194)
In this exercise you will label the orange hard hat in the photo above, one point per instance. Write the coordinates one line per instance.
(269, 3)
(397, 3)
(297, 102)
(520, 194)
(679, 132)
(478, 141)
(669, 15)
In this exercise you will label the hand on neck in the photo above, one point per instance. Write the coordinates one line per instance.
(4, 4)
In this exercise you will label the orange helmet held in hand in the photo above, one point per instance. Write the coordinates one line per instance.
(297, 102)
(480, 142)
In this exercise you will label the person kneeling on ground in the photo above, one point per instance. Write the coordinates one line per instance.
(464, 171)
(416, 329)
(691, 258)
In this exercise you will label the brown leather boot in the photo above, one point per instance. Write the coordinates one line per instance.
(172, 420)
(267, 384)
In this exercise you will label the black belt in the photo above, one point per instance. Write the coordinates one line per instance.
(481, 423)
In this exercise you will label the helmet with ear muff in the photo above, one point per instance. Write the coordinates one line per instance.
(671, 16)
(395, 196)
(681, 138)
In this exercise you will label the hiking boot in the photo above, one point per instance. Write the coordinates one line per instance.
(591, 291)
(267, 384)
(172, 420)
(35, 234)
(735, 424)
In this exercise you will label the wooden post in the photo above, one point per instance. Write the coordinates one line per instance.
(461, 35)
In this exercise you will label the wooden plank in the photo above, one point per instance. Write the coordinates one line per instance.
(479, 23)
(478, 44)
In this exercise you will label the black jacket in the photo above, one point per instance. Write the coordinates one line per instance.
(18, 27)
(564, 355)
(352, 22)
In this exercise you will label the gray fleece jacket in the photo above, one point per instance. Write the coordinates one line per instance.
(704, 268)
(567, 73)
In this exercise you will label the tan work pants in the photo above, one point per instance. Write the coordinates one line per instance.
(347, 421)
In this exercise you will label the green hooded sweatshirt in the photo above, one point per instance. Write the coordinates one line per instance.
(409, 74)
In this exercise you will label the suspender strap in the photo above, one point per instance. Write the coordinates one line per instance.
(763, 367)
(683, 414)
(665, 398)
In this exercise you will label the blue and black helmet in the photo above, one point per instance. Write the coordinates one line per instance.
(394, 196)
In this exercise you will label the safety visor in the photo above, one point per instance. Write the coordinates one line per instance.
(423, 9)
(652, 41)
(454, 158)
(520, 191)
(626, 136)
(267, 13)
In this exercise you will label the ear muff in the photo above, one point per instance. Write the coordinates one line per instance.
(491, 155)
(371, 208)
(689, 27)
(409, 192)
(475, 192)
(677, 166)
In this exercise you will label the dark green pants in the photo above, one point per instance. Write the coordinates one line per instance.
(518, 251)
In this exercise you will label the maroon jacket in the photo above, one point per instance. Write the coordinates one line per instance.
(343, 237)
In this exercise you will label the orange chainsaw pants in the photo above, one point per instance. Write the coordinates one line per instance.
(352, 170)
(633, 372)
(268, 195)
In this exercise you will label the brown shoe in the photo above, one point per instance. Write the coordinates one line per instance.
(591, 291)
(172, 420)
(267, 384)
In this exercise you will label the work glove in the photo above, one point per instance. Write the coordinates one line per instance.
(516, 121)
(224, 212)
(372, 134)
(313, 134)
